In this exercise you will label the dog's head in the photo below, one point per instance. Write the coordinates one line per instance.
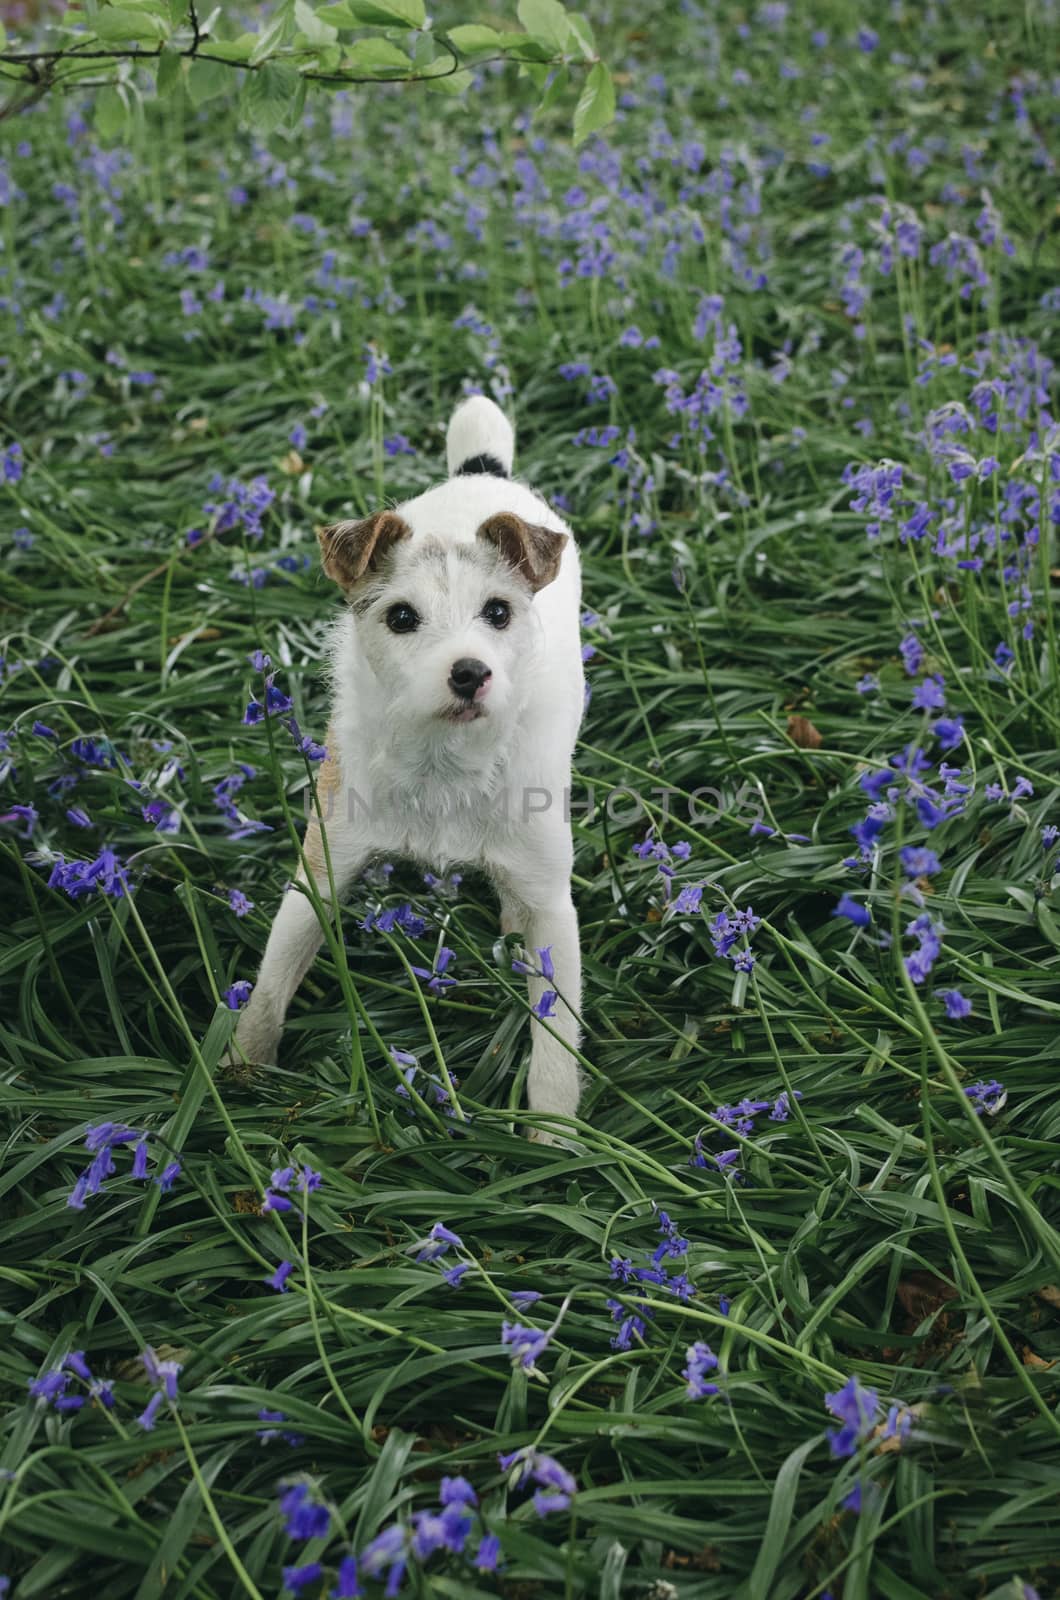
(447, 627)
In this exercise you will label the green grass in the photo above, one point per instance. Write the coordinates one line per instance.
(885, 1230)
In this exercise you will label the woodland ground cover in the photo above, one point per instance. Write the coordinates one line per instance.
(782, 1321)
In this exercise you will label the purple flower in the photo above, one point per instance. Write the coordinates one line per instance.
(912, 653)
(306, 1518)
(167, 1177)
(104, 875)
(928, 695)
(239, 902)
(12, 463)
(28, 815)
(949, 731)
(956, 1005)
(298, 1578)
(989, 1096)
(437, 1243)
(856, 1409)
(546, 1006)
(526, 1343)
(545, 1504)
(860, 915)
(488, 1554)
(237, 996)
(348, 1586)
(278, 1280)
(918, 862)
(700, 1359)
(453, 1275)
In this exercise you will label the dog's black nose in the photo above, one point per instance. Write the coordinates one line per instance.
(467, 677)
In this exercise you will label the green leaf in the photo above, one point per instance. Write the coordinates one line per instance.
(581, 29)
(169, 72)
(3, 36)
(375, 55)
(555, 90)
(110, 113)
(375, 13)
(471, 37)
(596, 106)
(450, 82)
(309, 24)
(120, 25)
(206, 80)
(778, 1522)
(522, 48)
(547, 20)
(268, 39)
(234, 49)
(268, 95)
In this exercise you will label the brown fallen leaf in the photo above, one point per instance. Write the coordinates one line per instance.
(196, 633)
(921, 1294)
(1050, 1294)
(802, 732)
(292, 464)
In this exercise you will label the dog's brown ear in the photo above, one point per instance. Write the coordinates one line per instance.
(350, 549)
(533, 551)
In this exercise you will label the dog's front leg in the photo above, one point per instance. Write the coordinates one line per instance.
(296, 933)
(549, 922)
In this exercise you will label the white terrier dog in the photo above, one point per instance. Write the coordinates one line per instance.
(458, 691)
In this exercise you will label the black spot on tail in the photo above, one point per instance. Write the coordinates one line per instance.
(483, 463)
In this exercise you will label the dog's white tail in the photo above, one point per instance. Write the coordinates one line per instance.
(479, 439)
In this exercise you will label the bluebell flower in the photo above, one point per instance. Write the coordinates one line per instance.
(989, 1096)
(860, 915)
(867, 831)
(305, 1517)
(927, 933)
(78, 817)
(453, 1275)
(522, 1298)
(488, 1554)
(949, 731)
(918, 862)
(386, 1550)
(438, 1242)
(856, 1408)
(912, 653)
(149, 1415)
(526, 1343)
(700, 1359)
(457, 1491)
(239, 902)
(348, 1586)
(50, 1385)
(298, 1578)
(435, 978)
(278, 1279)
(238, 994)
(27, 815)
(546, 1006)
(105, 875)
(928, 695)
(546, 1503)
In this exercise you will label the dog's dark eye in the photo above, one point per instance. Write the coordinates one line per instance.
(498, 613)
(402, 618)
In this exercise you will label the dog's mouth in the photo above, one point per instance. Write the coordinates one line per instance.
(463, 711)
